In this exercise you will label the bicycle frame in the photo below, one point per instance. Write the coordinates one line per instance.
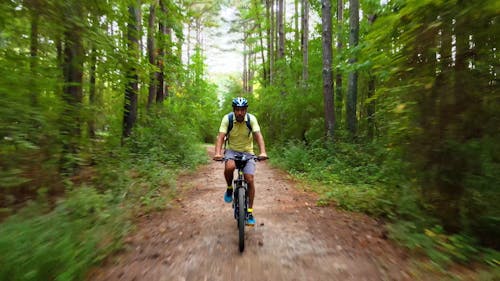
(240, 182)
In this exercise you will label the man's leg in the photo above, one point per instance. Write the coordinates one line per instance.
(251, 194)
(249, 172)
(230, 166)
(229, 172)
(251, 189)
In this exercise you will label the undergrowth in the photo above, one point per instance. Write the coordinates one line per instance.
(370, 179)
(62, 241)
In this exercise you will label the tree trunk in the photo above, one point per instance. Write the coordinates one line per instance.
(339, 97)
(281, 29)
(92, 92)
(305, 41)
(132, 88)
(34, 56)
(152, 54)
(272, 28)
(168, 54)
(296, 20)
(73, 66)
(352, 87)
(452, 192)
(73, 56)
(251, 64)
(162, 29)
(259, 26)
(326, 20)
(370, 109)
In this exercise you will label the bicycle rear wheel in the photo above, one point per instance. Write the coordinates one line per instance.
(241, 217)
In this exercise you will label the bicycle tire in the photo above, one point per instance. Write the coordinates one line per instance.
(241, 217)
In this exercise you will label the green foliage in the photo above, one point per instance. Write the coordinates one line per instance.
(92, 220)
(443, 249)
(167, 139)
(346, 175)
(438, 112)
(348, 172)
(64, 243)
(433, 158)
(48, 152)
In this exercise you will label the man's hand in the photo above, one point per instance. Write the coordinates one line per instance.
(263, 156)
(218, 157)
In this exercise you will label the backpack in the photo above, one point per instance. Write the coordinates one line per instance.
(230, 126)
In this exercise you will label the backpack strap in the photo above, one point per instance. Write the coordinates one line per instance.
(230, 117)
(230, 124)
(249, 126)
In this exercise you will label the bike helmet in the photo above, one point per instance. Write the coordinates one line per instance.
(240, 102)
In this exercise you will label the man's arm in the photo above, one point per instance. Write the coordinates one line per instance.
(218, 146)
(260, 142)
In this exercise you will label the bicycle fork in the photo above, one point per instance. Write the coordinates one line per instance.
(239, 184)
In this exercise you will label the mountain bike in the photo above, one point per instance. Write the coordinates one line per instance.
(240, 196)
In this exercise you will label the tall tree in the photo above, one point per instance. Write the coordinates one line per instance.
(162, 34)
(281, 28)
(152, 53)
(258, 9)
(370, 107)
(352, 85)
(73, 56)
(326, 21)
(296, 20)
(92, 91)
(339, 97)
(132, 88)
(305, 41)
(270, 38)
(34, 7)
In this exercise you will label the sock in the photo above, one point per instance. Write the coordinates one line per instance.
(250, 210)
(230, 187)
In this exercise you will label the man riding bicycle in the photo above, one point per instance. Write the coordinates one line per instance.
(239, 136)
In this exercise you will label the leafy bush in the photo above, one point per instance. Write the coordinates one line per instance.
(350, 174)
(169, 140)
(371, 179)
(443, 249)
(62, 244)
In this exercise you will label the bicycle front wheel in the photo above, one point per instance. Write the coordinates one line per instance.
(241, 217)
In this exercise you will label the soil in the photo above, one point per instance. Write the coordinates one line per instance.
(196, 238)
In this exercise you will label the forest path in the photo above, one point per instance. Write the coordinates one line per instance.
(197, 238)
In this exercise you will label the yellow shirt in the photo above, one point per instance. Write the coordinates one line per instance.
(239, 137)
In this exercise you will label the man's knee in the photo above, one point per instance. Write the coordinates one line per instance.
(230, 165)
(249, 178)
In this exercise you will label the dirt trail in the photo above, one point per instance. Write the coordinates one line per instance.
(293, 239)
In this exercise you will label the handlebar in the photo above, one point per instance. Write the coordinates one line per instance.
(257, 158)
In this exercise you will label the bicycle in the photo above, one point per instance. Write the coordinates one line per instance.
(240, 196)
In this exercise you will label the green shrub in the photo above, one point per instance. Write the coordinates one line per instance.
(443, 249)
(371, 179)
(350, 172)
(168, 140)
(62, 244)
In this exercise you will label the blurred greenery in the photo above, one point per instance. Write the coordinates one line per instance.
(70, 183)
(425, 158)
